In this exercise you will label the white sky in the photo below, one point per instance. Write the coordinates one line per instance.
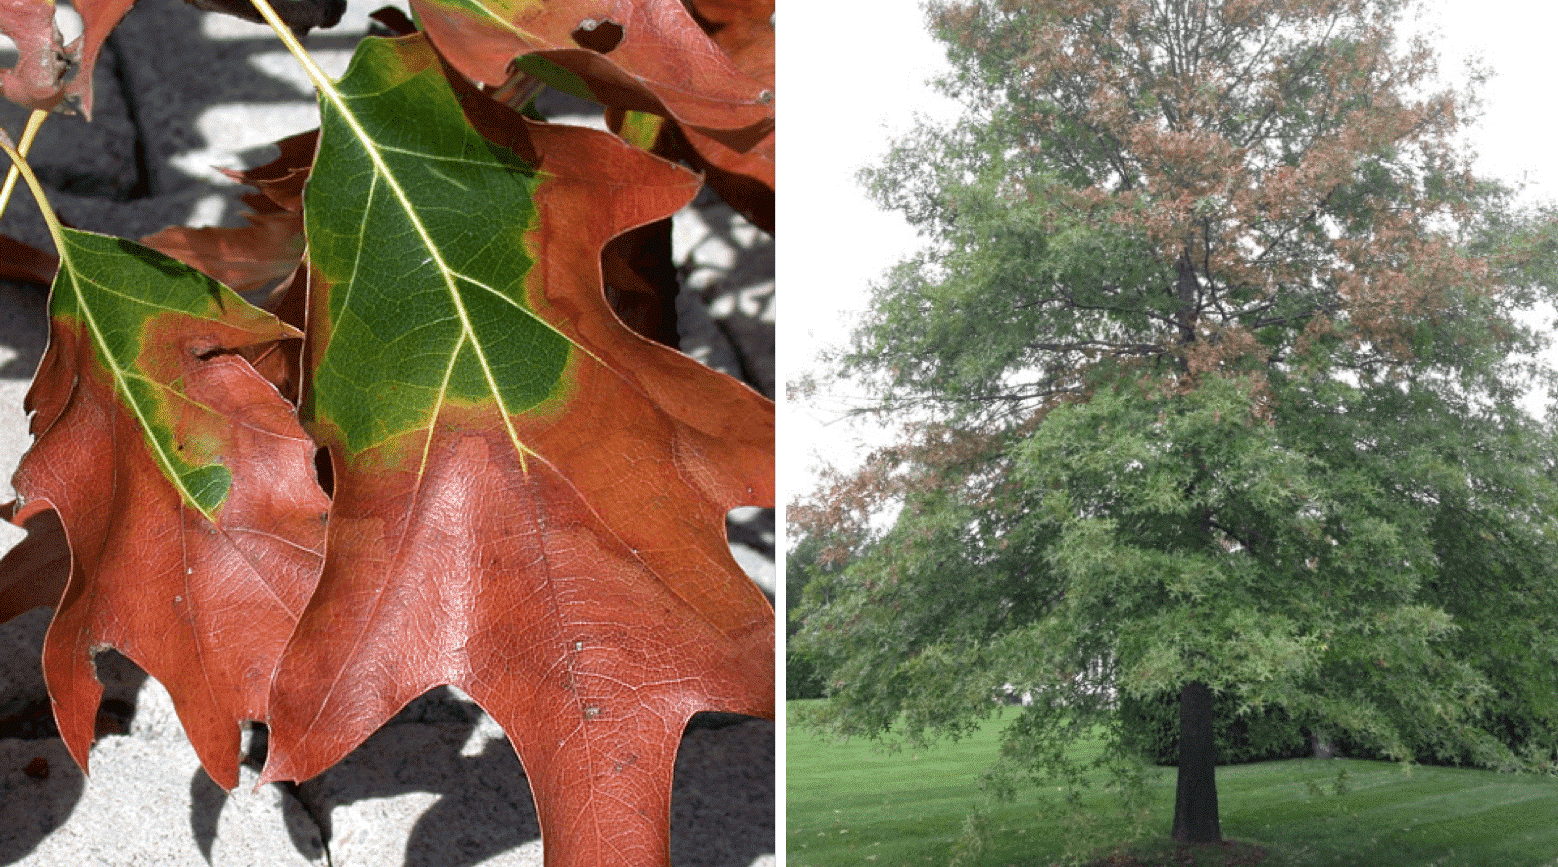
(851, 94)
(852, 76)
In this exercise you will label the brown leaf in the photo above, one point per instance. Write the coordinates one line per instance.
(281, 361)
(98, 19)
(744, 178)
(267, 252)
(281, 180)
(744, 29)
(204, 605)
(393, 20)
(643, 55)
(245, 258)
(641, 281)
(564, 563)
(47, 73)
(42, 66)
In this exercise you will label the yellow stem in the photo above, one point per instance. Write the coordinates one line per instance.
(284, 33)
(19, 163)
(34, 121)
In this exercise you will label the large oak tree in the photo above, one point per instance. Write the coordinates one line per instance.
(1213, 367)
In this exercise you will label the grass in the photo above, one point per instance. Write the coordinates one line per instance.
(850, 803)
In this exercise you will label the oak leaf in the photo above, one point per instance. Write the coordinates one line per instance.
(268, 252)
(184, 485)
(528, 497)
(25, 263)
(245, 258)
(270, 247)
(744, 177)
(37, 79)
(281, 180)
(643, 55)
(744, 29)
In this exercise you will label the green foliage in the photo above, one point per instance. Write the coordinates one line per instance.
(803, 678)
(810, 558)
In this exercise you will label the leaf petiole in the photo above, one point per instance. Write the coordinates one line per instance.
(18, 155)
(284, 33)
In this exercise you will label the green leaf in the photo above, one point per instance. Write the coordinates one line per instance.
(433, 310)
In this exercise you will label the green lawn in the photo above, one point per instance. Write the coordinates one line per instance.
(852, 804)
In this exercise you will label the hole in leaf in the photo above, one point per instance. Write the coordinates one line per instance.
(325, 471)
(598, 36)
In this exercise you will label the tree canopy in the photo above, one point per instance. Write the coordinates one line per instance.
(1214, 365)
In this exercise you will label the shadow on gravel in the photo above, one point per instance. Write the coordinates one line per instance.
(40, 783)
(722, 800)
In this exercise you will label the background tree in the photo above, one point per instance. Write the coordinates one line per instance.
(1213, 363)
(809, 558)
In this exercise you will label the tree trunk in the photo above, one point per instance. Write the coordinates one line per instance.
(1195, 802)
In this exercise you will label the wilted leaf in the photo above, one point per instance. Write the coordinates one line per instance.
(267, 252)
(185, 487)
(281, 180)
(641, 281)
(37, 80)
(98, 19)
(529, 499)
(647, 55)
(745, 179)
(47, 72)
